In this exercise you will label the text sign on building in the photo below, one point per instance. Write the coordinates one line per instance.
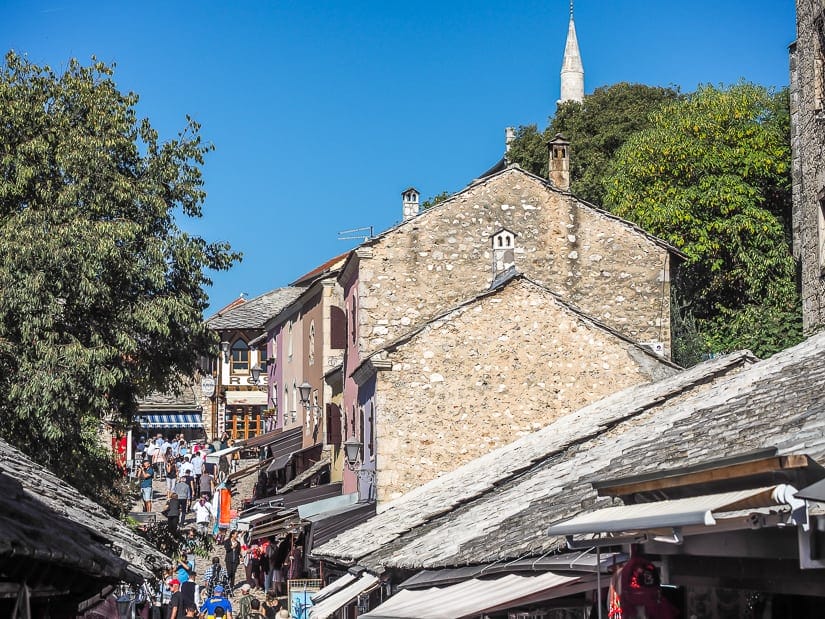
(208, 386)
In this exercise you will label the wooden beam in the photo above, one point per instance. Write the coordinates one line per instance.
(724, 473)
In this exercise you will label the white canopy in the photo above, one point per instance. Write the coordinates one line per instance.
(472, 597)
(698, 510)
(335, 585)
(343, 597)
(216, 456)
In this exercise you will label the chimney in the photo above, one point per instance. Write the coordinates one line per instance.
(509, 136)
(559, 150)
(409, 202)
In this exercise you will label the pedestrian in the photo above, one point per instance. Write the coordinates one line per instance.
(197, 467)
(176, 600)
(233, 556)
(203, 514)
(215, 602)
(171, 473)
(184, 493)
(215, 576)
(271, 605)
(172, 513)
(255, 610)
(147, 474)
(207, 484)
(244, 601)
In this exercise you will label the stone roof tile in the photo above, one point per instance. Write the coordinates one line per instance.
(255, 312)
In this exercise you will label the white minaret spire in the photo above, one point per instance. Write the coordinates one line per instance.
(572, 70)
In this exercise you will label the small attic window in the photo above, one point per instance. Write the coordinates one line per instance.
(503, 244)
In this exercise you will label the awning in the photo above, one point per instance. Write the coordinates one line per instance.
(343, 597)
(667, 514)
(289, 442)
(261, 440)
(172, 420)
(278, 463)
(247, 522)
(325, 526)
(301, 478)
(475, 597)
(248, 470)
(253, 398)
(215, 456)
(569, 562)
(335, 585)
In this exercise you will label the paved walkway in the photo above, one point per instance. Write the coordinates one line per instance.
(243, 490)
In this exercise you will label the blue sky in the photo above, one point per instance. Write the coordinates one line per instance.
(323, 112)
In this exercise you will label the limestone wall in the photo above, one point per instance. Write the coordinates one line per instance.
(808, 142)
(609, 269)
(489, 373)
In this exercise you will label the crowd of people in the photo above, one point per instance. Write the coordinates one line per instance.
(223, 590)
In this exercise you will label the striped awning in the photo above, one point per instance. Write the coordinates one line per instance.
(179, 420)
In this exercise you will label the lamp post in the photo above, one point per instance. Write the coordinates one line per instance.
(225, 351)
(354, 462)
(305, 392)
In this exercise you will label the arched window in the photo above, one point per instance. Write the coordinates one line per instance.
(240, 358)
(311, 355)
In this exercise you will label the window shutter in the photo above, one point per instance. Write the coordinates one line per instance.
(333, 425)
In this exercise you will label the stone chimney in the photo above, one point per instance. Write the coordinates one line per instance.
(559, 151)
(409, 202)
(509, 136)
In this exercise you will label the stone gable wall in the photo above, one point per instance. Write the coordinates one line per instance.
(443, 256)
(808, 142)
(488, 373)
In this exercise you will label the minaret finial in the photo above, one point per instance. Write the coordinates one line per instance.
(572, 71)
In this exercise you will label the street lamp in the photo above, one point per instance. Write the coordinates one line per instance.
(352, 453)
(305, 391)
(256, 373)
(225, 351)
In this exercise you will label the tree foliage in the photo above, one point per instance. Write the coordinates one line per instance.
(711, 175)
(101, 294)
(596, 128)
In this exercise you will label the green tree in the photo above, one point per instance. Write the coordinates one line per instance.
(711, 175)
(101, 294)
(596, 128)
(436, 199)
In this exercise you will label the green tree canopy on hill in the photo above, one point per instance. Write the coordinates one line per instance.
(101, 294)
(596, 128)
(711, 175)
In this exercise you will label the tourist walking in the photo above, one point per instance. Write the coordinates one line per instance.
(147, 474)
(215, 576)
(233, 556)
(184, 492)
(172, 513)
(203, 514)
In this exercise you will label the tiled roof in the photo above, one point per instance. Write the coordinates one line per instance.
(255, 312)
(47, 520)
(329, 266)
(498, 507)
(182, 399)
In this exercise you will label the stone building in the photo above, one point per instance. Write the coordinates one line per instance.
(239, 405)
(611, 269)
(807, 60)
(611, 272)
(500, 365)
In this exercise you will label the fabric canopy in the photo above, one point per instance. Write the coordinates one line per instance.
(665, 514)
(215, 456)
(172, 420)
(471, 597)
(343, 597)
(335, 585)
